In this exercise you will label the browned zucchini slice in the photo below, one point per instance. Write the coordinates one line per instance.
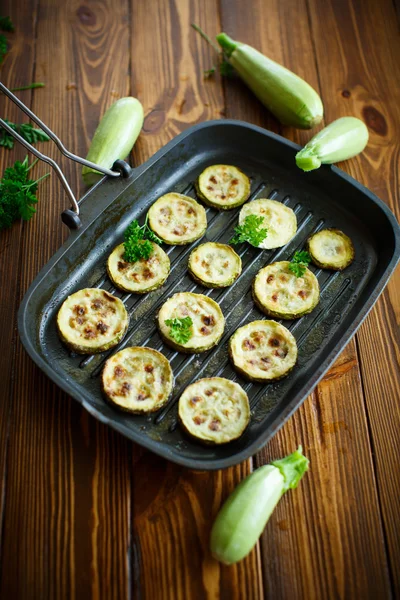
(177, 219)
(214, 410)
(223, 187)
(214, 265)
(263, 350)
(91, 321)
(137, 380)
(141, 276)
(206, 315)
(331, 249)
(279, 293)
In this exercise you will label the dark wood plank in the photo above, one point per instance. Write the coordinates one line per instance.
(16, 70)
(371, 79)
(307, 542)
(67, 502)
(173, 508)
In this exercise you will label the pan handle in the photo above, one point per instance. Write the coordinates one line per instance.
(69, 216)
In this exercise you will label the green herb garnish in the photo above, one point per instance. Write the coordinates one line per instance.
(6, 24)
(29, 86)
(250, 231)
(17, 193)
(299, 263)
(137, 241)
(180, 329)
(26, 130)
(226, 69)
(3, 47)
(209, 72)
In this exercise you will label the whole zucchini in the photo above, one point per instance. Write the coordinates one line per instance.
(340, 140)
(292, 100)
(244, 515)
(115, 136)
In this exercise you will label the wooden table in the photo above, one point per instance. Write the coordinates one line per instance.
(83, 512)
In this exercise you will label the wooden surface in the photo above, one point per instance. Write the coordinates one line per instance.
(85, 513)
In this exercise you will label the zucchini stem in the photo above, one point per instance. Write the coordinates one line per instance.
(227, 43)
(307, 161)
(292, 468)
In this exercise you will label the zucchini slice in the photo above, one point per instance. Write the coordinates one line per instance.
(214, 265)
(223, 187)
(177, 219)
(141, 276)
(263, 351)
(137, 380)
(208, 321)
(279, 219)
(331, 249)
(91, 321)
(279, 293)
(214, 410)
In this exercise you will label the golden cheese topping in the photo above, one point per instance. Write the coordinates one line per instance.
(263, 350)
(92, 320)
(215, 265)
(279, 220)
(138, 380)
(214, 410)
(331, 249)
(279, 293)
(141, 276)
(208, 321)
(177, 219)
(223, 186)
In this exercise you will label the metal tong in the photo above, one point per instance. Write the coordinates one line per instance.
(70, 216)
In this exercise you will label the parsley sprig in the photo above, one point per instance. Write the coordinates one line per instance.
(180, 329)
(137, 241)
(299, 263)
(26, 130)
(18, 193)
(5, 25)
(250, 231)
(225, 68)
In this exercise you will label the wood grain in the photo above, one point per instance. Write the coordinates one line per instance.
(17, 69)
(63, 537)
(372, 95)
(173, 508)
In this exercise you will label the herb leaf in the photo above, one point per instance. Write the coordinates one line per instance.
(26, 130)
(250, 231)
(137, 241)
(226, 69)
(17, 194)
(299, 263)
(180, 329)
(3, 47)
(209, 72)
(6, 24)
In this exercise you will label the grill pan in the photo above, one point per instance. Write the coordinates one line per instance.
(327, 197)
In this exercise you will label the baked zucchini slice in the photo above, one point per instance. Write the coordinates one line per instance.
(207, 327)
(214, 410)
(331, 249)
(263, 351)
(137, 380)
(91, 321)
(141, 276)
(279, 293)
(177, 219)
(280, 221)
(223, 187)
(214, 265)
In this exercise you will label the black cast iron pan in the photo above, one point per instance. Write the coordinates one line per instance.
(324, 198)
